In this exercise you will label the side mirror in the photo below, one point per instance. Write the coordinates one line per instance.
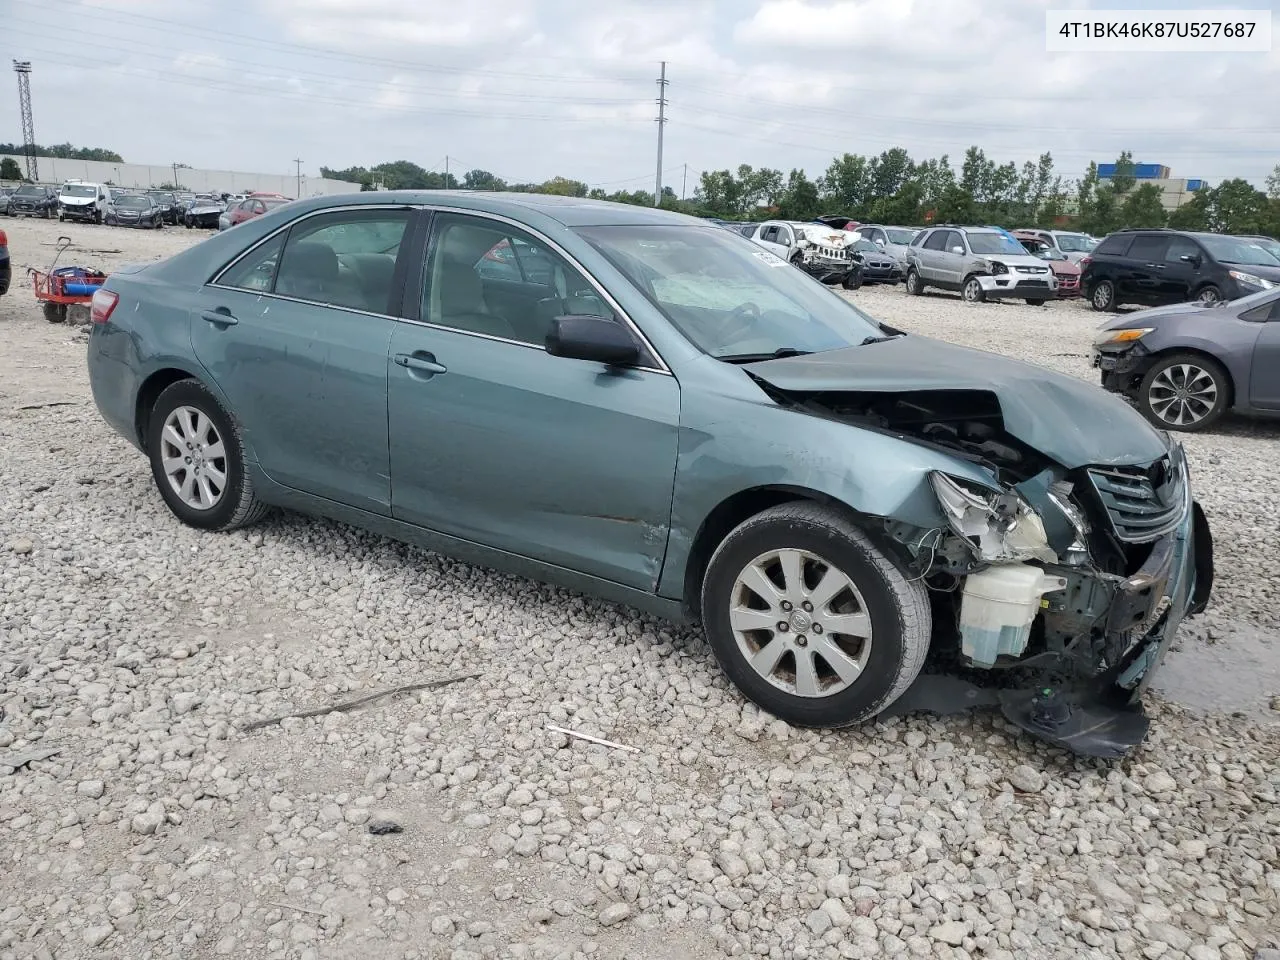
(592, 338)
(1190, 258)
(959, 250)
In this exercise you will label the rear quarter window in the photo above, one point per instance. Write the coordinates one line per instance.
(1115, 246)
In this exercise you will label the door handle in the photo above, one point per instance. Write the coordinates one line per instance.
(220, 317)
(420, 362)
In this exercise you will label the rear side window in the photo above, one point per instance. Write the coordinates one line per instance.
(1149, 246)
(1116, 245)
(257, 270)
(918, 239)
(937, 240)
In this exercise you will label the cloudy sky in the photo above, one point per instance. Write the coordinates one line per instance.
(529, 89)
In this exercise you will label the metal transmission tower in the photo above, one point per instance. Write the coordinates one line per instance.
(662, 122)
(23, 69)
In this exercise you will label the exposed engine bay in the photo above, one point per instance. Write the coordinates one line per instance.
(1049, 596)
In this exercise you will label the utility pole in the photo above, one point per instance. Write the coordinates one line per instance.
(23, 69)
(176, 185)
(684, 182)
(662, 122)
(446, 171)
(299, 169)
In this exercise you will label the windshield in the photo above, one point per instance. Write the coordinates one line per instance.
(866, 246)
(1075, 242)
(1271, 246)
(162, 197)
(133, 202)
(1235, 250)
(984, 243)
(79, 190)
(903, 237)
(29, 190)
(726, 295)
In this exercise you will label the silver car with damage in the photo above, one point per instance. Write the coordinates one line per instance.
(982, 263)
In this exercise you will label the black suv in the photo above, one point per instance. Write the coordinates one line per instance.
(1153, 268)
(34, 200)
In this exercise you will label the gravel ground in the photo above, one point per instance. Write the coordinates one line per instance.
(143, 821)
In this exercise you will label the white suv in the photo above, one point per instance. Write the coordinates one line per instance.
(981, 262)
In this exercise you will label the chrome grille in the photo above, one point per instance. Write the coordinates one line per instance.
(1143, 503)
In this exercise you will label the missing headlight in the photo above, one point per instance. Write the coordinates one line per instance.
(1000, 526)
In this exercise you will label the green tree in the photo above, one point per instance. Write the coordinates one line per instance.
(9, 169)
(1195, 214)
(800, 200)
(563, 187)
(482, 180)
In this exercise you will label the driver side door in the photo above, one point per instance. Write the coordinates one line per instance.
(497, 442)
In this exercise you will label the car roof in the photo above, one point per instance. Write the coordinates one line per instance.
(568, 211)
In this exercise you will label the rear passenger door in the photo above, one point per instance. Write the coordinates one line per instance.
(295, 333)
(930, 256)
(1141, 277)
(950, 263)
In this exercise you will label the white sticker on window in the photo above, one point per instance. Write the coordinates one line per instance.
(769, 258)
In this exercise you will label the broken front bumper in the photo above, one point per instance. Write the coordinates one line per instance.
(1099, 715)
(1038, 286)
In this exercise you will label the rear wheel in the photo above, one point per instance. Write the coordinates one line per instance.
(1185, 391)
(1103, 297)
(1036, 303)
(914, 286)
(198, 461)
(810, 620)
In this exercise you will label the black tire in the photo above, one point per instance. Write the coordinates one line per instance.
(97, 217)
(1197, 367)
(971, 290)
(852, 280)
(61, 217)
(237, 505)
(797, 260)
(914, 285)
(55, 312)
(1036, 303)
(1208, 294)
(1103, 296)
(897, 607)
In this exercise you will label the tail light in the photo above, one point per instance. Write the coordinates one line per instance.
(1084, 262)
(104, 301)
(4, 241)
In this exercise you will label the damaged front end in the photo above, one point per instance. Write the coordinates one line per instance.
(1062, 588)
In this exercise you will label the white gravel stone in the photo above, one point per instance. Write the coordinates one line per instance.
(1026, 778)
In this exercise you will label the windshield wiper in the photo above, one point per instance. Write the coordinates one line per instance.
(756, 357)
(871, 340)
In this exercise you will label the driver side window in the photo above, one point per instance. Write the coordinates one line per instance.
(488, 278)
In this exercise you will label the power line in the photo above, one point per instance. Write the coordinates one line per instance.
(662, 122)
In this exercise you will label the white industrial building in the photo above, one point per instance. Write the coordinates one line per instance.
(55, 170)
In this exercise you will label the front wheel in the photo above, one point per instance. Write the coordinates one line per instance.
(810, 620)
(852, 280)
(1184, 391)
(972, 291)
(1209, 294)
(1036, 303)
(55, 312)
(914, 286)
(197, 460)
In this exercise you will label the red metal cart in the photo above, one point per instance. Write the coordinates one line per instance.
(59, 287)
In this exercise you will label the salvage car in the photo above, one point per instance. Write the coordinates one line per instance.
(817, 249)
(1074, 246)
(876, 265)
(83, 200)
(203, 211)
(254, 205)
(674, 419)
(169, 205)
(33, 200)
(134, 210)
(895, 241)
(983, 263)
(1064, 271)
(1185, 366)
(5, 194)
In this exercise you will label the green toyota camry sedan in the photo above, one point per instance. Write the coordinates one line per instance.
(651, 409)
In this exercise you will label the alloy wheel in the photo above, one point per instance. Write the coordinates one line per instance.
(1209, 295)
(800, 623)
(973, 291)
(1102, 296)
(194, 458)
(1183, 394)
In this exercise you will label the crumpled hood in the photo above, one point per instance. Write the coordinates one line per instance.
(1069, 421)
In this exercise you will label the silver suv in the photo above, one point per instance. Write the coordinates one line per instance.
(981, 262)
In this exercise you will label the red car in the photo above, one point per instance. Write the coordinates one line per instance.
(255, 205)
(1064, 271)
